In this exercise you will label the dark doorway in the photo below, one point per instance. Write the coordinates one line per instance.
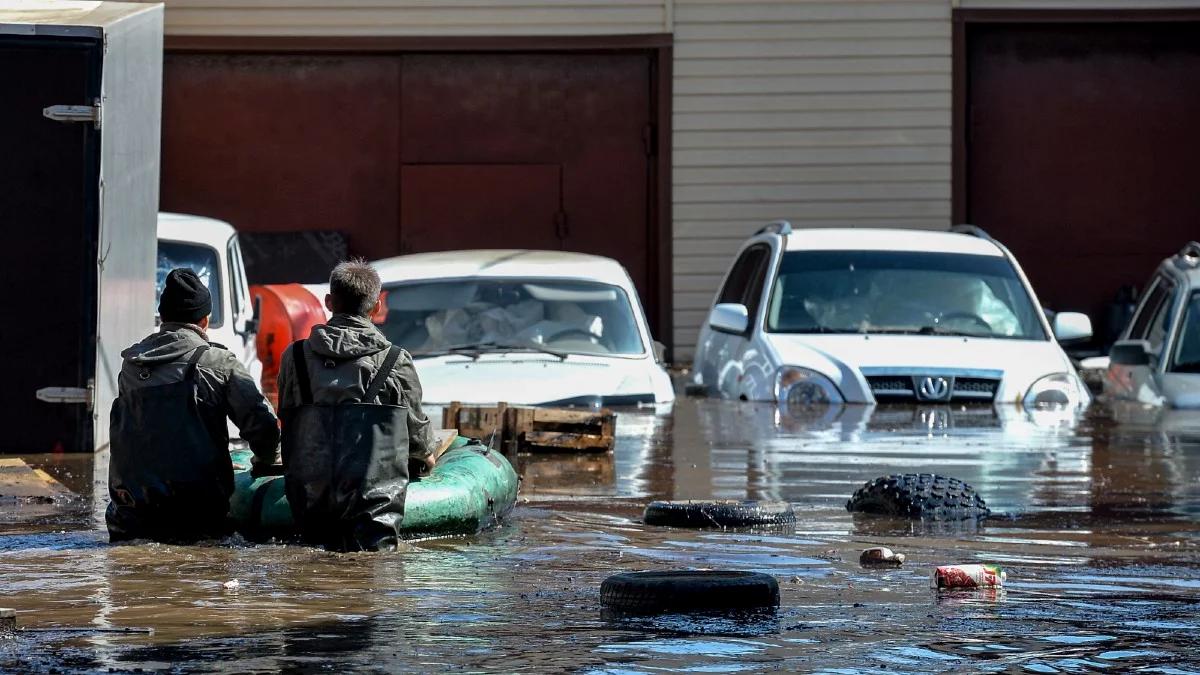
(49, 207)
(1080, 144)
(409, 151)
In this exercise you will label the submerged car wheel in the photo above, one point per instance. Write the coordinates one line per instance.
(721, 514)
(925, 496)
(689, 590)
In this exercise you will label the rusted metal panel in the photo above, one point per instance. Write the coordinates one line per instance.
(444, 207)
(1080, 142)
(279, 143)
(404, 152)
(587, 113)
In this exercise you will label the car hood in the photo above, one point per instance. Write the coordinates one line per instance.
(842, 357)
(530, 379)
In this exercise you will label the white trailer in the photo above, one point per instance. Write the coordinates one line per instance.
(81, 86)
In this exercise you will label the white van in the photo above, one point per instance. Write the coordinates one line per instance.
(210, 248)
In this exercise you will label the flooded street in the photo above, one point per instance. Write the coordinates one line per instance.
(1097, 524)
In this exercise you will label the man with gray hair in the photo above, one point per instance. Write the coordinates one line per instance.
(350, 403)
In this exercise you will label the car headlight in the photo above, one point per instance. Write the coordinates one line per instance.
(800, 387)
(1058, 390)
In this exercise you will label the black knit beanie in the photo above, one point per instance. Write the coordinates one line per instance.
(185, 299)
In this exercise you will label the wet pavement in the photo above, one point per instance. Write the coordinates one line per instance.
(1098, 528)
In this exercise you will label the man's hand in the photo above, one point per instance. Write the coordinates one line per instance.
(423, 464)
(261, 469)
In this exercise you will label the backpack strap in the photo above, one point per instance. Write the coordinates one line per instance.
(302, 379)
(382, 374)
(189, 371)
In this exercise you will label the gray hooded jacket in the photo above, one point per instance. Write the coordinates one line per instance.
(224, 388)
(343, 357)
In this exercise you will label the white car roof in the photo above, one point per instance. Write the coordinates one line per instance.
(199, 229)
(502, 263)
(879, 239)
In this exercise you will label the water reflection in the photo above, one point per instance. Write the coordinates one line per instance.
(1096, 525)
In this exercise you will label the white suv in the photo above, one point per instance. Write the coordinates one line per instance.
(1157, 359)
(864, 316)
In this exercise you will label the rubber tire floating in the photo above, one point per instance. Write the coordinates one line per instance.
(664, 591)
(924, 496)
(720, 514)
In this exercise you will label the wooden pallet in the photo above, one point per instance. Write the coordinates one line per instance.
(516, 429)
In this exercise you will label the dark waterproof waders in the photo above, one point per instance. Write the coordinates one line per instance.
(346, 465)
(169, 475)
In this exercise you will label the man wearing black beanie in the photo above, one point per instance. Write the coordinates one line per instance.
(170, 473)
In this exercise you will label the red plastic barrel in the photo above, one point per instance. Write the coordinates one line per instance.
(288, 313)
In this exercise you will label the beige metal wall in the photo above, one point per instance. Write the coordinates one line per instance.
(825, 113)
(415, 17)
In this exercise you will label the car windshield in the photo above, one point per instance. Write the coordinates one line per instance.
(474, 316)
(201, 259)
(899, 292)
(1187, 356)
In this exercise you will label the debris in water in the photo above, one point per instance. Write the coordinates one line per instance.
(881, 556)
(8, 619)
(967, 577)
(232, 584)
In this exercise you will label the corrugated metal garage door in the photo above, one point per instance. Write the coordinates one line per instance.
(1082, 145)
(406, 153)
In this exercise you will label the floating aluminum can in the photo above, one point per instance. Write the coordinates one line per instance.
(880, 556)
(968, 577)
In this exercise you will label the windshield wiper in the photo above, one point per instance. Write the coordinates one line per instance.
(472, 350)
(534, 347)
(924, 330)
(477, 349)
(821, 330)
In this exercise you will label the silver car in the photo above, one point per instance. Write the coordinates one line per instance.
(1157, 359)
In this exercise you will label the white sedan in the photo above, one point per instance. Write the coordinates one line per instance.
(523, 327)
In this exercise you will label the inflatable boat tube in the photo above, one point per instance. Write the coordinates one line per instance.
(470, 489)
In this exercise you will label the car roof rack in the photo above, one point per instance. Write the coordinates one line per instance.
(780, 227)
(1190, 255)
(972, 231)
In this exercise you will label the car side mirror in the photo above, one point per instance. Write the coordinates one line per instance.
(1130, 353)
(660, 352)
(255, 319)
(729, 317)
(1071, 326)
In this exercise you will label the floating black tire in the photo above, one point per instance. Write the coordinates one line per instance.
(924, 496)
(721, 514)
(644, 592)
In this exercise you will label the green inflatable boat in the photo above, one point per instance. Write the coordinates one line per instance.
(469, 490)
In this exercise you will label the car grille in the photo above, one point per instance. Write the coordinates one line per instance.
(895, 388)
(975, 387)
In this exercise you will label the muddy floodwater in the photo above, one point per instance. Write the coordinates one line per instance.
(1099, 531)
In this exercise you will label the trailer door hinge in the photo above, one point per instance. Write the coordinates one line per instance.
(68, 394)
(74, 113)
